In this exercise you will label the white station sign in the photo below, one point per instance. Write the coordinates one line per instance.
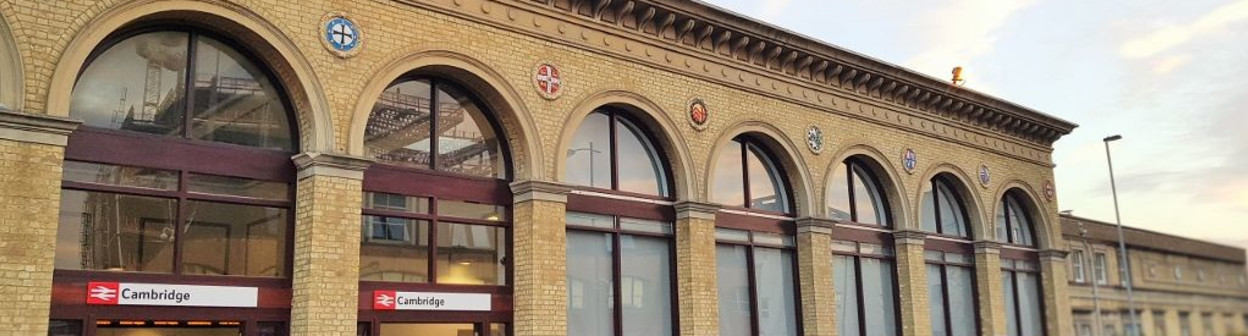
(143, 294)
(394, 300)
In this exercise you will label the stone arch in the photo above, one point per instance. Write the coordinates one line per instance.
(885, 173)
(12, 75)
(971, 199)
(268, 43)
(782, 149)
(1041, 220)
(484, 82)
(660, 124)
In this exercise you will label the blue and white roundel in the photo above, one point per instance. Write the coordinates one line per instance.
(984, 175)
(342, 34)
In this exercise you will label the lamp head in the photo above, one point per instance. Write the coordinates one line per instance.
(1114, 137)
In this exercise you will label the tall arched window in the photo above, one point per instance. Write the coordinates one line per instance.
(746, 176)
(854, 194)
(181, 170)
(611, 151)
(1020, 272)
(436, 212)
(950, 264)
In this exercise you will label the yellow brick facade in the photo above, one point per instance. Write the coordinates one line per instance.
(493, 47)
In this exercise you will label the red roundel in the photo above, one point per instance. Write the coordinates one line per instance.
(698, 113)
(548, 80)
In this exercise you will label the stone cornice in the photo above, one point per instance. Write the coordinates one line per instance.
(526, 191)
(36, 128)
(910, 237)
(756, 46)
(330, 164)
(696, 210)
(815, 225)
(987, 246)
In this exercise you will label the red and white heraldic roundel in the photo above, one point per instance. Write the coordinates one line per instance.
(548, 80)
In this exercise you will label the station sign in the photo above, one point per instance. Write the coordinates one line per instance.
(147, 294)
(395, 300)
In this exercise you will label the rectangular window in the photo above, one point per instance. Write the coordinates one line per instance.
(1185, 324)
(1022, 298)
(404, 240)
(394, 249)
(248, 240)
(470, 254)
(1159, 323)
(757, 284)
(1207, 324)
(951, 295)
(1076, 261)
(1100, 266)
(639, 296)
(116, 232)
(64, 328)
(865, 289)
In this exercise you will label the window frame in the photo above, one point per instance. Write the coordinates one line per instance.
(1036, 271)
(433, 218)
(944, 280)
(1009, 224)
(1079, 271)
(666, 184)
(1100, 268)
(850, 172)
(751, 275)
(768, 159)
(935, 183)
(858, 287)
(617, 267)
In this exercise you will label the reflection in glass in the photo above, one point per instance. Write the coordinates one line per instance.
(471, 210)
(589, 157)
(228, 239)
(234, 102)
(777, 304)
(466, 140)
(398, 130)
(395, 202)
(640, 168)
(961, 300)
(590, 284)
(868, 198)
(1011, 321)
(878, 292)
(943, 205)
(732, 275)
(936, 299)
(114, 232)
(470, 254)
(394, 249)
(845, 281)
(838, 196)
(137, 85)
(125, 176)
(646, 285)
(237, 186)
(1013, 226)
(729, 183)
(867, 206)
(766, 191)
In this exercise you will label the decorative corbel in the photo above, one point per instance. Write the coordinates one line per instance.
(771, 55)
(756, 51)
(818, 69)
(721, 39)
(663, 25)
(685, 28)
(645, 18)
(847, 77)
(788, 60)
(802, 64)
(598, 9)
(738, 47)
(702, 34)
(625, 9)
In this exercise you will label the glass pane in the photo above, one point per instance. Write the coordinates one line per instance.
(466, 140)
(591, 220)
(237, 186)
(471, 254)
(732, 235)
(396, 202)
(1020, 227)
(498, 329)
(197, 331)
(589, 157)
(868, 199)
(641, 225)
(428, 329)
(271, 329)
(120, 175)
(732, 277)
(399, 125)
(641, 169)
(1029, 301)
(845, 283)
(838, 195)
(1007, 281)
(472, 210)
(936, 299)
(590, 284)
(878, 294)
(844, 246)
(928, 209)
(234, 240)
(961, 301)
(777, 305)
(114, 232)
(394, 249)
(951, 220)
(234, 102)
(766, 188)
(64, 328)
(646, 285)
(729, 184)
(137, 85)
(772, 239)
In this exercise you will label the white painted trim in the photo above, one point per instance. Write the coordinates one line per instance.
(621, 197)
(752, 214)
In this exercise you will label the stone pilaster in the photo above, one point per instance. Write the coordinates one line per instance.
(326, 277)
(540, 268)
(991, 294)
(698, 291)
(814, 269)
(32, 149)
(912, 283)
(1053, 281)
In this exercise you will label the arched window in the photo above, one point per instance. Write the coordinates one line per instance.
(746, 176)
(1013, 224)
(942, 209)
(183, 164)
(854, 194)
(415, 115)
(611, 151)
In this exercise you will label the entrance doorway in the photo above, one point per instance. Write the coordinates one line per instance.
(438, 329)
(169, 331)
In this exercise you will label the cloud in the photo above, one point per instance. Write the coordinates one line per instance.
(959, 32)
(1173, 36)
(772, 9)
(1168, 64)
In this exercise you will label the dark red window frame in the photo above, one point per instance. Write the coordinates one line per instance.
(786, 191)
(1017, 309)
(957, 198)
(944, 280)
(616, 268)
(861, 164)
(862, 304)
(613, 114)
(1009, 224)
(750, 274)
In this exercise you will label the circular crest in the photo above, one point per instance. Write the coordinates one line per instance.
(548, 80)
(909, 160)
(699, 114)
(1049, 191)
(984, 175)
(814, 139)
(340, 35)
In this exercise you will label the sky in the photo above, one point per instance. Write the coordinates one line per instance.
(1170, 76)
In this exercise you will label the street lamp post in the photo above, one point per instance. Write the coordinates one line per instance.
(1125, 267)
